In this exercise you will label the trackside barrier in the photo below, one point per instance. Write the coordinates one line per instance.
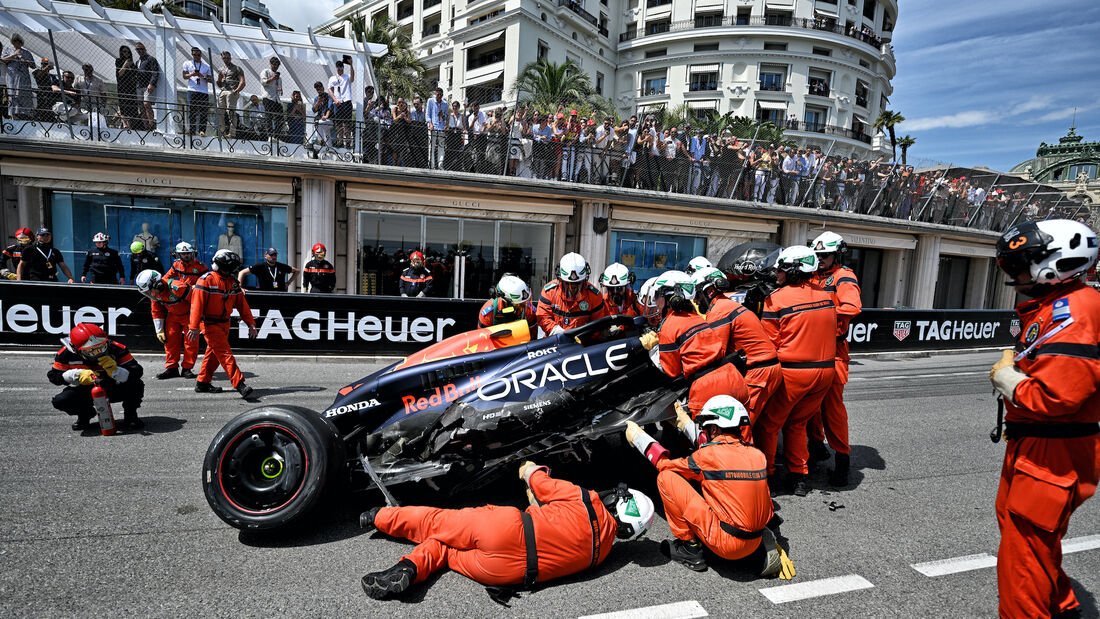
(39, 314)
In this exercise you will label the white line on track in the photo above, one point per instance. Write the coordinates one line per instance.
(815, 588)
(3, 389)
(678, 610)
(903, 376)
(943, 567)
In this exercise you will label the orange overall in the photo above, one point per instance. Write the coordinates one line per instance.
(832, 420)
(188, 272)
(734, 480)
(213, 299)
(487, 544)
(685, 346)
(740, 329)
(498, 311)
(556, 310)
(1043, 479)
(801, 320)
(172, 308)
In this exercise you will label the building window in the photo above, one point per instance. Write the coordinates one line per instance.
(869, 9)
(653, 83)
(543, 50)
(599, 83)
(951, 283)
(1087, 168)
(430, 28)
(657, 53)
(657, 27)
(571, 58)
(823, 51)
(708, 20)
(863, 63)
(882, 101)
(773, 78)
(648, 254)
(700, 114)
(703, 79)
(603, 24)
(743, 15)
(484, 55)
(652, 4)
(775, 47)
(378, 16)
(771, 111)
(404, 10)
(778, 18)
(706, 47)
(819, 83)
(486, 17)
(861, 93)
(816, 119)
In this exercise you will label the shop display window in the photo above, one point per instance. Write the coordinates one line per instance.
(649, 255)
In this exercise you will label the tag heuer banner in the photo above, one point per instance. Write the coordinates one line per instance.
(39, 314)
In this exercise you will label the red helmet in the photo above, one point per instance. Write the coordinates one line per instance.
(23, 232)
(416, 256)
(88, 339)
(319, 248)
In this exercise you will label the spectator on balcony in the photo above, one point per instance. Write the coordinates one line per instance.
(629, 137)
(339, 88)
(93, 95)
(602, 146)
(456, 135)
(398, 136)
(148, 76)
(475, 128)
(322, 113)
(296, 119)
(418, 135)
(126, 80)
(68, 107)
(44, 95)
(371, 129)
(436, 119)
(254, 123)
(272, 80)
(199, 76)
(698, 151)
(18, 62)
(231, 81)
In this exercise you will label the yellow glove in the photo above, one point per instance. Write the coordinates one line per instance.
(161, 336)
(682, 417)
(787, 571)
(649, 339)
(108, 364)
(526, 469)
(87, 377)
(632, 430)
(8, 274)
(1006, 361)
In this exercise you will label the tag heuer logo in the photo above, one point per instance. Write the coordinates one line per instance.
(901, 329)
(1014, 327)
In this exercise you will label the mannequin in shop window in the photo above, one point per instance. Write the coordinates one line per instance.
(231, 240)
(146, 237)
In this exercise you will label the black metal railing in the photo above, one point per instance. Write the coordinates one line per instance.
(650, 91)
(485, 60)
(773, 85)
(818, 88)
(577, 8)
(431, 30)
(604, 31)
(824, 25)
(652, 4)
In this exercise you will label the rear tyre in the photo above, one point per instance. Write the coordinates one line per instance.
(271, 467)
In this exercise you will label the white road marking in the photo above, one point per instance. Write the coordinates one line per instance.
(815, 588)
(903, 376)
(983, 560)
(944, 567)
(2, 389)
(678, 610)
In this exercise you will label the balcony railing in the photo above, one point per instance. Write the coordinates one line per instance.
(577, 8)
(431, 30)
(817, 127)
(604, 31)
(485, 60)
(703, 85)
(650, 91)
(861, 100)
(766, 20)
(652, 4)
(769, 86)
(818, 89)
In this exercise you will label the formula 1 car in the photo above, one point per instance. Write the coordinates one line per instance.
(461, 411)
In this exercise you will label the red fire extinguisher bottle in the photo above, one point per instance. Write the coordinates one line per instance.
(103, 408)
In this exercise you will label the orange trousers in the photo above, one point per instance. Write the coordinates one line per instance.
(762, 384)
(789, 409)
(690, 517)
(726, 380)
(175, 328)
(831, 422)
(484, 544)
(1043, 481)
(218, 351)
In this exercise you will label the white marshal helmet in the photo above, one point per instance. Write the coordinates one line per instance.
(1052, 250)
(513, 290)
(616, 275)
(797, 258)
(634, 512)
(708, 276)
(647, 298)
(183, 247)
(723, 411)
(674, 282)
(829, 242)
(573, 268)
(100, 237)
(146, 279)
(696, 263)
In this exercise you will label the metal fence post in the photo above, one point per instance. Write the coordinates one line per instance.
(64, 96)
(1026, 204)
(931, 192)
(817, 174)
(742, 170)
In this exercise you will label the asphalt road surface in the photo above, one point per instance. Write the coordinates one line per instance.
(118, 526)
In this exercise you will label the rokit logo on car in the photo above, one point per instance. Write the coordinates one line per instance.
(523, 382)
(535, 354)
(347, 408)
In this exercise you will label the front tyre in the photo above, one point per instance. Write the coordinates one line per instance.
(271, 466)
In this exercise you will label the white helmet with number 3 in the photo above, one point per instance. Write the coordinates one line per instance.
(1051, 251)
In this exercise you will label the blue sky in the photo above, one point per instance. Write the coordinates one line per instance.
(984, 82)
(980, 82)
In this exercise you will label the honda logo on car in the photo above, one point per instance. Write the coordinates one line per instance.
(571, 368)
(347, 408)
(446, 393)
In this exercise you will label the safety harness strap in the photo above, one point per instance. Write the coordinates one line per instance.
(1015, 429)
(595, 525)
(531, 575)
(740, 533)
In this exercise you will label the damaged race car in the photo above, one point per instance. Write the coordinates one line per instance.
(456, 414)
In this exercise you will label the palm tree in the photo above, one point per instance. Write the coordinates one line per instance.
(546, 85)
(399, 71)
(905, 142)
(886, 120)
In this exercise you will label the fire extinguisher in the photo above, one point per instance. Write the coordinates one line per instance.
(103, 408)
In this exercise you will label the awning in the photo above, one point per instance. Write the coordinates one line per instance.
(772, 105)
(970, 250)
(704, 68)
(779, 3)
(861, 119)
(510, 208)
(483, 79)
(483, 40)
(703, 105)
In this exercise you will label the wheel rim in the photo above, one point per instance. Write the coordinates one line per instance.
(263, 468)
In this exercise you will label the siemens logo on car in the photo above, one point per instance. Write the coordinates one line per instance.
(520, 384)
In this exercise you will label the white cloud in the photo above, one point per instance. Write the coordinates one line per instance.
(298, 14)
(970, 118)
(1064, 113)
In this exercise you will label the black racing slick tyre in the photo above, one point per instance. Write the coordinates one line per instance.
(270, 467)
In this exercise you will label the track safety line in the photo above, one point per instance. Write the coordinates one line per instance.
(678, 610)
(815, 588)
(983, 560)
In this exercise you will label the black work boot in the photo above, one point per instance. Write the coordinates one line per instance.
(688, 554)
(244, 390)
(366, 519)
(839, 476)
(169, 373)
(130, 421)
(800, 484)
(818, 452)
(83, 422)
(391, 582)
(201, 387)
(187, 373)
